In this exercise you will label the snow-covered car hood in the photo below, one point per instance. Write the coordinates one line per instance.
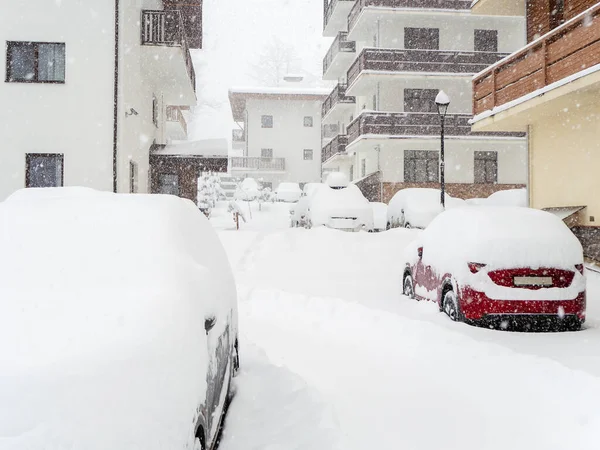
(348, 202)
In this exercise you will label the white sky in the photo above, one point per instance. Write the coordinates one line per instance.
(235, 32)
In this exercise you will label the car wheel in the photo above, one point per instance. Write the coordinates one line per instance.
(407, 225)
(450, 306)
(198, 445)
(409, 289)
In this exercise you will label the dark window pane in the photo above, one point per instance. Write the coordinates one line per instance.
(308, 121)
(169, 184)
(266, 121)
(44, 171)
(422, 38)
(308, 155)
(266, 153)
(51, 62)
(420, 100)
(486, 40)
(21, 64)
(421, 166)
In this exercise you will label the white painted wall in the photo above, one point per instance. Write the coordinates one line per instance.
(76, 118)
(288, 137)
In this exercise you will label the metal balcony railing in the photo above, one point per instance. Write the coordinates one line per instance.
(340, 44)
(336, 146)
(257, 163)
(337, 96)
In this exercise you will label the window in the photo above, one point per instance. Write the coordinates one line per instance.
(421, 166)
(422, 38)
(330, 130)
(308, 121)
(351, 173)
(308, 154)
(133, 177)
(266, 121)
(266, 152)
(420, 100)
(486, 40)
(168, 184)
(43, 170)
(363, 167)
(35, 62)
(486, 167)
(155, 111)
(557, 13)
(267, 185)
(374, 102)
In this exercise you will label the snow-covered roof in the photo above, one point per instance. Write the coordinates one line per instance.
(239, 95)
(206, 147)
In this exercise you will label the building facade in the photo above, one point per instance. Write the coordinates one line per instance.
(549, 88)
(278, 136)
(390, 59)
(90, 87)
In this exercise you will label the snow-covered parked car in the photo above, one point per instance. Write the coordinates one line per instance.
(417, 207)
(248, 190)
(379, 216)
(288, 192)
(508, 197)
(341, 206)
(119, 322)
(299, 210)
(499, 265)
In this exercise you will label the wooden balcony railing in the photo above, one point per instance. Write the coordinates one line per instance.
(166, 28)
(340, 44)
(329, 8)
(568, 49)
(337, 96)
(398, 60)
(258, 164)
(238, 135)
(336, 146)
(174, 114)
(422, 4)
(413, 124)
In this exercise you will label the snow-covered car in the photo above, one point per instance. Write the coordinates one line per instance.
(288, 192)
(299, 210)
(417, 207)
(248, 190)
(379, 216)
(499, 265)
(339, 207)
(118, 325)
(508, 197)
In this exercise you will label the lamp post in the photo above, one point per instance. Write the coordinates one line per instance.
(442, 101)
(378, 150)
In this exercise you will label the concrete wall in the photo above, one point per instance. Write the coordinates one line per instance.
(288, 138)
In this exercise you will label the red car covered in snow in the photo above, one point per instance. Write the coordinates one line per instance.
(500, 266)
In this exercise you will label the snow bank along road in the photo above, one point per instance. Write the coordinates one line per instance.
(334, 357)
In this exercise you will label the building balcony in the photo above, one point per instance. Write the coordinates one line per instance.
(335, 16)
(336, 105)
(357, 13)
(166, 55)
(499, 8)
(537, 76)
(256, 164)
(339, 57)
(337, 146)
(413, 124)
(176, 124)
(411, 63)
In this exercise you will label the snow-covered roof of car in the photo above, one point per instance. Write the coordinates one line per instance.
(288, 186)
(103, 300)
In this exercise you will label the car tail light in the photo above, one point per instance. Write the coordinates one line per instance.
(580, 268)
(475, 267)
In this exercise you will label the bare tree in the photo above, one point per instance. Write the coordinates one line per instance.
(274, 62)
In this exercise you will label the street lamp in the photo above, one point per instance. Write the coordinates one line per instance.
(378, 150)
(442, 101)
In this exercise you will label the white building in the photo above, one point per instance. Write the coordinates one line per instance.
(90, 86)
(278, 134)
(390, 58)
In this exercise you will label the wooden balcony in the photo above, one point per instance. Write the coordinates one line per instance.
(337, 146)
(420, 4)
(340, 44)
(565, 51)
(337, 96)
(166, 28)
(413, 124)
(257, 164)
(437, 61)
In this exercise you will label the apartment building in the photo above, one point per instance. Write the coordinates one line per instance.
(91, 87)
(278, 134)
(390, 59)
(550, 88)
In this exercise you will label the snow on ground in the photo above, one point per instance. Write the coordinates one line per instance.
(324, 327)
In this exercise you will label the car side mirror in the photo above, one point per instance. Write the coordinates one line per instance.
(209, 323)
(420, 252)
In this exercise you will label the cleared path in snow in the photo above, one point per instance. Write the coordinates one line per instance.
(396, 373)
